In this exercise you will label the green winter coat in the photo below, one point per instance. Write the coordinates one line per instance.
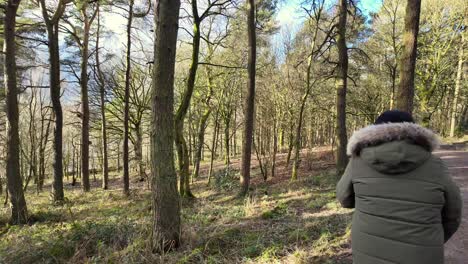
(406, 204)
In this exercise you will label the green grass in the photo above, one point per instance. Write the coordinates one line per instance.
(281, 222)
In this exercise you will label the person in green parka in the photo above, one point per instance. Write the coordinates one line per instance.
(406, 204)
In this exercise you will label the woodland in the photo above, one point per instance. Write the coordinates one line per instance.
(206, 131)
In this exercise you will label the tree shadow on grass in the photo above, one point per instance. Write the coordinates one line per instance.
(275, 238)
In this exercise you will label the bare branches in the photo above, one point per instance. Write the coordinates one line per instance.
(222, 66)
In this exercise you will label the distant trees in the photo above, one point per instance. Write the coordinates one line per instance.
(458, 84)
(165, 198)
(19, 211)
(306, 88)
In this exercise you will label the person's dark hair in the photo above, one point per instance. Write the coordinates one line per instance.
(394, 116)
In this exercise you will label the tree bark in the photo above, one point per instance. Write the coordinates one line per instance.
(102, 95)
(52, 26)
(87, 21)
(139, 152)
(126, 172)
(275, 145)
(19, 211)
(247, 136)
(181, 143)
(341, 90)
(213, 145)
(408, 56)
(202, 128)
(227, 124)
(166, 207)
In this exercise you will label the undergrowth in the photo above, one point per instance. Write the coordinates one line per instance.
(279, 222)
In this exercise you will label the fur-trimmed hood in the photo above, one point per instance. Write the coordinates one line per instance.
(374, 135)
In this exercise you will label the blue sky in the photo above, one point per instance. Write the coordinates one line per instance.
(290, 14)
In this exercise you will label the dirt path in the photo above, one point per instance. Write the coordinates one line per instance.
(456, 249)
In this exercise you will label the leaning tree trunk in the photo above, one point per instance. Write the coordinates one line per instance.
(408, 56)
(453, 122)
(249, 102)
(341, 89)
(19, 212)
(181, 144)
(166, 207)
(297, 142)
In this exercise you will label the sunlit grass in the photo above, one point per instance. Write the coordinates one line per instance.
(281, 222)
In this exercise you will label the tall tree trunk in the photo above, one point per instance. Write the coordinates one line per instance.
(275, 145)
(57, 186)
(234, 138)
(102, 95)
(181, 144)
(19, 211)
(52, 26)
(166, 207)
(290, 143)
(139, 152)
(202, 128)
(201, 140)
(392, 94)
(126, 172)
(453, 122)
(213, 145)
(227, 123)
(341, 89)
(408, 56)
(247, 136)
(85, 101)
(118, 156)
(297, 142)
(74, 165)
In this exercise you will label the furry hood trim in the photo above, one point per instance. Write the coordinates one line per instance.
(374, 135)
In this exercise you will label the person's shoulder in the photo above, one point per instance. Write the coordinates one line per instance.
(436, 168)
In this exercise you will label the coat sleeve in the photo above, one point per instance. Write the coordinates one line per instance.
(452, 210)
(344, 189)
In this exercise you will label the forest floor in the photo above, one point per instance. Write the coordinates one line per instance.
(280, 222)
